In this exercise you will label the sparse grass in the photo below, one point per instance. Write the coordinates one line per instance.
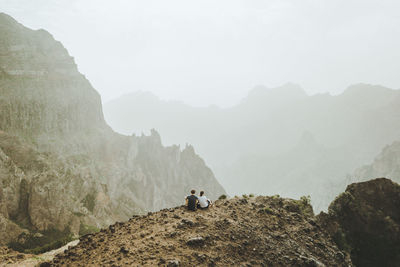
(89, 201)
(222, 197)
(305, 206)
(268, 211)
(85, 229)
(37, 258)
(48, 240)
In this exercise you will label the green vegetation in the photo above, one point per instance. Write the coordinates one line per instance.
(89, 201)
(222, 197)
(245, 196)
(251, 195)
(85, 229)
(268, 211)
(305, 206)
(40, 242)
(36, 258)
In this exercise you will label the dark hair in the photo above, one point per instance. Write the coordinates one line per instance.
(201, 193)
(193, 191)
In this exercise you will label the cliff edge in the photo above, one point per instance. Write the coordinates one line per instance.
(249, 231)
(62, 169)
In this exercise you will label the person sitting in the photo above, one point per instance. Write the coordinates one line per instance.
(192, 201)
(204, 202)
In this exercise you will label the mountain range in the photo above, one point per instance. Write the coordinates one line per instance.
(277, 140)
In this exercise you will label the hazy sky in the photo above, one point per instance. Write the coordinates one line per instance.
(213, 51)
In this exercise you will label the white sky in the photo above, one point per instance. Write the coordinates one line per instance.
(213, 51)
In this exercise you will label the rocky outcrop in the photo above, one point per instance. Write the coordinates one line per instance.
(251, 231)
(365, 220)
(62, 168)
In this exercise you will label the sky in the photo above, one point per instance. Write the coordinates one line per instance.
(214, 51)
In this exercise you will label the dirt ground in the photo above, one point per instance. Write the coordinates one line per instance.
(257, 231)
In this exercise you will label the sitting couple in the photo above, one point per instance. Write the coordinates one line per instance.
(193, 202)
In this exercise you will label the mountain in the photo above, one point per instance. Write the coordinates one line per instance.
(62, 168)
(277, 140)
(250, 231)
(386, 164)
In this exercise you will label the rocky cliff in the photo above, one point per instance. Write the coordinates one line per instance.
(365, 220)
(250, 231)
(62, 168)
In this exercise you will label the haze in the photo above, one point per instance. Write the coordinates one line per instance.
(212, 52)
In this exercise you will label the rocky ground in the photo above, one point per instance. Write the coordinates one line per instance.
(250, 231)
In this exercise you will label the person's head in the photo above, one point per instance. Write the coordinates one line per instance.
(201, 193)
(193, 192)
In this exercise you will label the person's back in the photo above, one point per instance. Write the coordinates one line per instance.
(191, 201)
(204, 202)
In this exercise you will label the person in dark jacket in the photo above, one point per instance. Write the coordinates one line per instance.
(192, 200)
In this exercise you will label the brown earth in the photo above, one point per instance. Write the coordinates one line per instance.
(9, 256)
(255, 231)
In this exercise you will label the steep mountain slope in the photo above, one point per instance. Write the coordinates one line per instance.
(365, 220)
(386, 164)
(262, 139)
(253, 231)
(61, 166)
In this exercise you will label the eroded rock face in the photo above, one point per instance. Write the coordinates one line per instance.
(386, 164)
(365, 220)
(61, 166)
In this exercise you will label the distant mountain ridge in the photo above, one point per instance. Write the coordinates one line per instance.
(253, 146)
(78, 173)
(386, 164)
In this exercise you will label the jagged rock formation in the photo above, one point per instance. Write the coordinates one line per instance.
(255, 231)
(365, 220)
(386, 164)
(61, 166)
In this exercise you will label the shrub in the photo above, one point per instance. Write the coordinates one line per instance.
(89, 201)
(244, 196)
(37, 244)
(305, 206)
(222, 197)
(268, 210)
(251, 195)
